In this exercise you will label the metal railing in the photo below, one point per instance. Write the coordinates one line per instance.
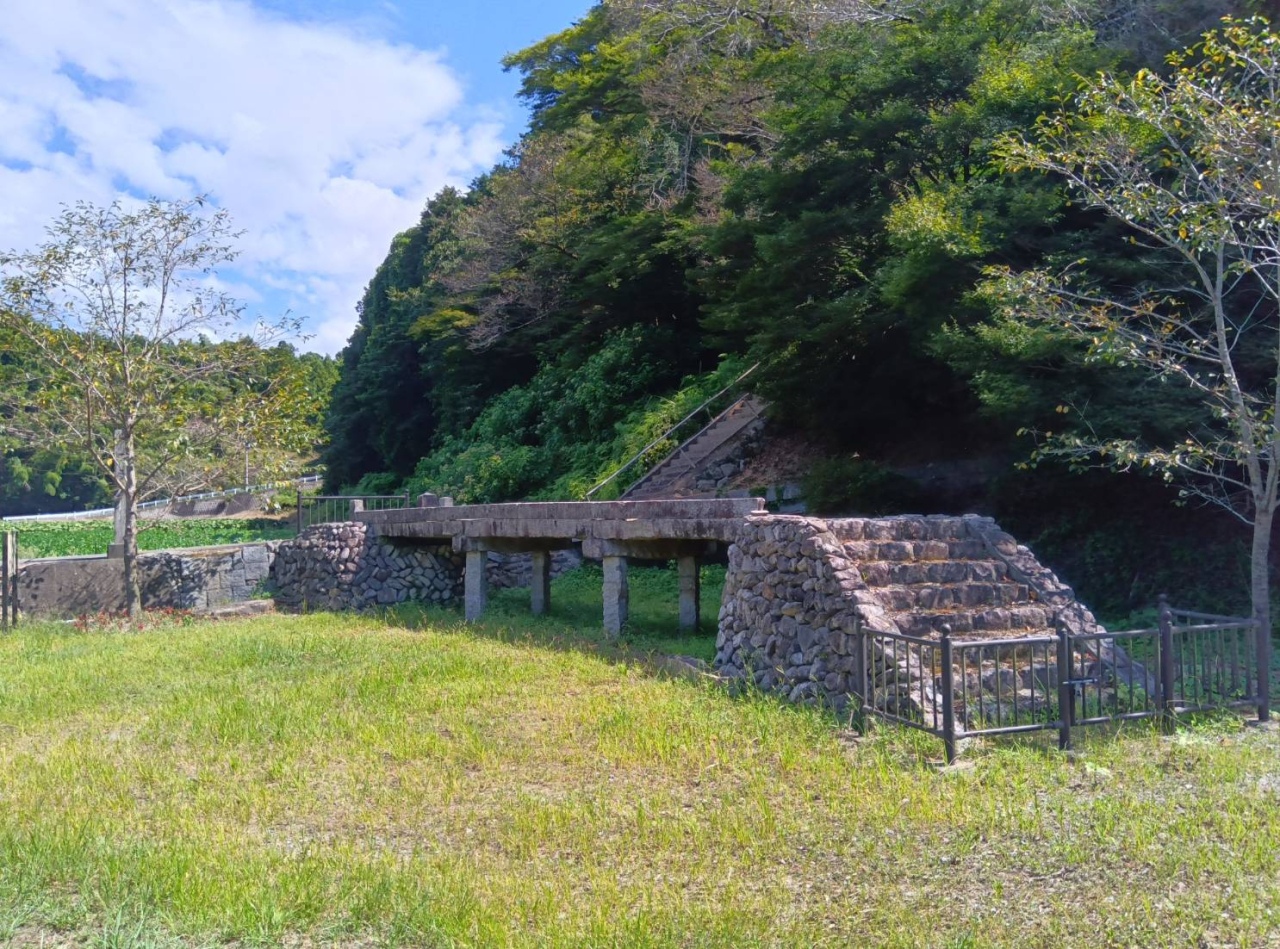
(667, 435)
(966, 688)
(163, 502)
(333, 508)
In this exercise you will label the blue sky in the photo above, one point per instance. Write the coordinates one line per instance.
(321, 125)
(475, 35)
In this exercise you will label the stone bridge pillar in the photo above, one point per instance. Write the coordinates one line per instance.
(688, 555)
(540, 582)
(476, 585)
(616, 595)
(477, 550)
(690, 598)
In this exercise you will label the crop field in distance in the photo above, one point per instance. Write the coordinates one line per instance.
(78, 538)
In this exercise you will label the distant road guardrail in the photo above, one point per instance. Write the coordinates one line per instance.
(152, 505)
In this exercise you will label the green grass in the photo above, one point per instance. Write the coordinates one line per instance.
(65, 538)
(408, 780)
(576, 604)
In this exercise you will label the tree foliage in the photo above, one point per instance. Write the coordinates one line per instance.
(1190, 164)
(812, 184)
(119, 352)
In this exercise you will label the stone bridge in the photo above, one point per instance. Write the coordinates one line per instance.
(797, 592)
(609, 531)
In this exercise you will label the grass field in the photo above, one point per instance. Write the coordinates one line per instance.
(406, 780)
(66, 538)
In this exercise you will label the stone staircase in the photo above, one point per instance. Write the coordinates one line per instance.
(798, 588)
(957, 581)
(679, 474)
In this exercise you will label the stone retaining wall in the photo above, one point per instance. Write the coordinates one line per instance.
(200, 578)
(784, 618)
(506, 571)
(797, 588)
(343, 566)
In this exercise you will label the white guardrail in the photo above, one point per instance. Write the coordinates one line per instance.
(151, 505)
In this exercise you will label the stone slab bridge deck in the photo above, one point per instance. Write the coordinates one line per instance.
(609, 531)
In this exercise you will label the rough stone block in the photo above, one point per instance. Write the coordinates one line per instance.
(616, 595)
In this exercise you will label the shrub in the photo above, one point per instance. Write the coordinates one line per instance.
(847, 484)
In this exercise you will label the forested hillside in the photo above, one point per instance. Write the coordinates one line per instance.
(808, 184)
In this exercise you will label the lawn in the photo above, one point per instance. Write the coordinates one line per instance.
(65, 538)
(407, 780)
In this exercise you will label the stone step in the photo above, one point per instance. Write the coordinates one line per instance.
(901, 528)
(1014, 620)
(914, 550)
(954, 595)
(673, 471)
(689, 457)
(884, 573)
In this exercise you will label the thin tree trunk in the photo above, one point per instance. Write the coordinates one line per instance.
(1260, 578)
(132, 596)
(118, 524)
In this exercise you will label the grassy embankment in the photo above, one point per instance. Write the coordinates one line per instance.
(410, 781)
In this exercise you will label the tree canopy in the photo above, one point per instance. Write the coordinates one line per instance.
(814, 185)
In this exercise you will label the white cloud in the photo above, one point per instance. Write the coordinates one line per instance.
(323, 142)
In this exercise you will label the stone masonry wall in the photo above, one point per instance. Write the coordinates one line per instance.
(341, 566)
(797, 588)
(201, 578)
(506, 571)
(784, 618)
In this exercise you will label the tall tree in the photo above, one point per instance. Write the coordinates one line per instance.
(1191, 165)
(123, 351)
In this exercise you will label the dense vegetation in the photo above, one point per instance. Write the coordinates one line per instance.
(38, 478)
(706, 184)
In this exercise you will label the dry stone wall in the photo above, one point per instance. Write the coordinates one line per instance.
(343, 566)
(506, 571)
(784, 617)
(798, 588)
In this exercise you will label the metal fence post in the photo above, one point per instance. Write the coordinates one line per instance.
(1066, 690)
(299, 510)
(860, 674)
(9, 579)
(948, 697)
(1167, 705)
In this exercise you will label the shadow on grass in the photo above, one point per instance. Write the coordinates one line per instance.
(652, 637)
(576, 614)
(574, 624)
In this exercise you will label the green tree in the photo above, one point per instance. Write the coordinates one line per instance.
(112, 325)
(1191, 165)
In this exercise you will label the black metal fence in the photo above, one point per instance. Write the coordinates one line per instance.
(332, 508)
(965, 688)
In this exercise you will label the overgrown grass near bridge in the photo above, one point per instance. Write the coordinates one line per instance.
(407, 780)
